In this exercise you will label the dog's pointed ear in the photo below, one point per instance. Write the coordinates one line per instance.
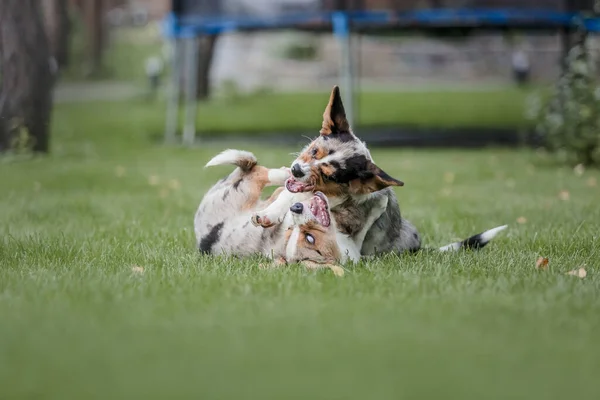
(373, 180)
(334, 117)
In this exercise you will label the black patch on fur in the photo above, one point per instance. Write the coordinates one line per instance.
(474, 242)
(356, 167)
(225, 195)
(335, 164)
(210, 239)
(246, 224)
(319, 252)
(343, 137)
(416, 236)
(237, 183)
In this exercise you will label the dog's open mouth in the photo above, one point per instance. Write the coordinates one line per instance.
(320, 209)
(295, 186)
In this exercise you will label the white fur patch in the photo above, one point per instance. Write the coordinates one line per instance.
(278, 176)
(230, 156)
(292, 244)
(491, 233)
(451, 247)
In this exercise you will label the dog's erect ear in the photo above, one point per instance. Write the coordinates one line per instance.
(373, 180)
(334, 117)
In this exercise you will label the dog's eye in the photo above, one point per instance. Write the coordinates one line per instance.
(314, 152)
(310, 238)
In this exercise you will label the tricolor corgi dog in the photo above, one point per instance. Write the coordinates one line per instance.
(340, 165)
(307, 234)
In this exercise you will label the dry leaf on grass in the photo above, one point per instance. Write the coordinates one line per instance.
(153, 180)
(521, 220)
(337, 270)
(542, 263)
(449, 177)
(592, 182)
(564, 195)
(579, 272)
(137, 269)
(446, 192)
(174, 184)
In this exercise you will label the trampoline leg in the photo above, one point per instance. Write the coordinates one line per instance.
(173, 96)
(341, 29)
(191, 81)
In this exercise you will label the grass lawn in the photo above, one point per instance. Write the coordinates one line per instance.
(277, 112)
(80, 319)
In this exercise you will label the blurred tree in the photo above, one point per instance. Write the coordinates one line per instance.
(26, 79)
(58, 26)
(206, 49)
(93, 11)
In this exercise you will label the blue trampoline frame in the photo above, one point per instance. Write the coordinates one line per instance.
(186, 30)
(430, 18)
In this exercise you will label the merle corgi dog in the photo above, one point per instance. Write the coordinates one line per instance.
(308, 234)
(339, 164)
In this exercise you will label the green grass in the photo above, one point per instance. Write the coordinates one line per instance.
(281, 112)
(77, 322)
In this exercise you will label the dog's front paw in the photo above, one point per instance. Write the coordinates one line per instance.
(264, 221)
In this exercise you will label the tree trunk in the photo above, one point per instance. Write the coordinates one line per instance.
(206, 49)
(58, 27)
(94, 25)
(26, 81)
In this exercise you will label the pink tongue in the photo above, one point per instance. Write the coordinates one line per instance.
(294, 186)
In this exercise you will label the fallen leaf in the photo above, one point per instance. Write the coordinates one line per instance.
(137, 269)
(337, 270)
(579, 272)
(542, 263)
(592, 182)
(579, 169)
(564, 195)
(449, 177)
(521, 220)
(174, 184)
(530, 169)
(120, 171)
(153, 180)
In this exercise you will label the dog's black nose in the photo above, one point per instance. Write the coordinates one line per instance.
(297, 171)
(297, 208)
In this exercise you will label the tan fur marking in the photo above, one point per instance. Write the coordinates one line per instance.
(259, 177)
(306, 156)
(324, 241)
(329, 188)
(327, 170)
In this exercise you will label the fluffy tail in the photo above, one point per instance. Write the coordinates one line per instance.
(243, 159)
(476, 241)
